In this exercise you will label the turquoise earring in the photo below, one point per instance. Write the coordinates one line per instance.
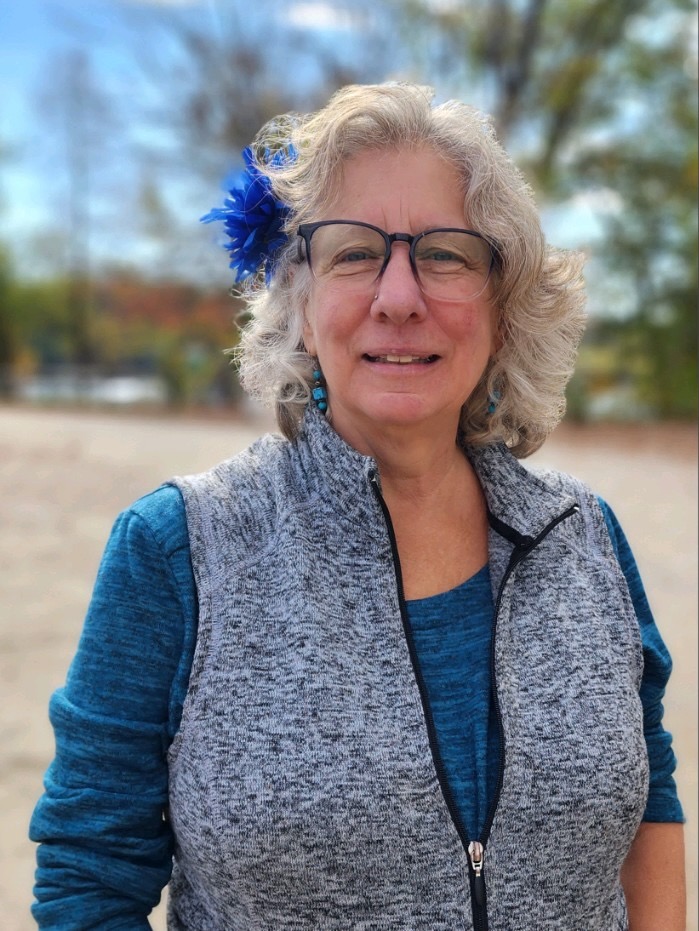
(493, 401)
(320, 391)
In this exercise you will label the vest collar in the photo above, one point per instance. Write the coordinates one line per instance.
(339, 472)
(521, 503)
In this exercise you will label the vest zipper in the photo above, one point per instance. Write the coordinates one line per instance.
(523, 547)
(476, 854)
(475, 849)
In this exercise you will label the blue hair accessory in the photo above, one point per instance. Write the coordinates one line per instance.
(253, 217)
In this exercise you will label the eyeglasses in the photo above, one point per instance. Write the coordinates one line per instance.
(448, 264)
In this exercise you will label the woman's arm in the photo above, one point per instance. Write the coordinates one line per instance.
(663, 804)
(653, 874)
(653, 877)
(105, 850)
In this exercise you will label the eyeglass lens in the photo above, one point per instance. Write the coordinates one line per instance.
(449, 264)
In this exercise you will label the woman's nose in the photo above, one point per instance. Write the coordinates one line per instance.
(397, 292)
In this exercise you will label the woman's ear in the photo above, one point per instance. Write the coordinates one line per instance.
(309, 339)
(309, 342)
(498, 331)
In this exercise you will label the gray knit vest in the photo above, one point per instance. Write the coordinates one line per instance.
(304, 790)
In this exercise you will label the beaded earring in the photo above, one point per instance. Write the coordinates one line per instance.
(320, 391)
(493, 401)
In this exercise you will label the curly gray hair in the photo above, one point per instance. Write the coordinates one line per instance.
(537, 290)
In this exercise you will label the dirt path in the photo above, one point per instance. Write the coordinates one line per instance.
(64, 477)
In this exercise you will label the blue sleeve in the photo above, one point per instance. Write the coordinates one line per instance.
(663, 803)
(105, 849)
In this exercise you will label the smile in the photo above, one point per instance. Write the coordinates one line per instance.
(402, 359)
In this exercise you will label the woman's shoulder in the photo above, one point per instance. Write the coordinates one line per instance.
(253, 465)
(240, 499)
(157, 517)
(160, 506)
(563, 482)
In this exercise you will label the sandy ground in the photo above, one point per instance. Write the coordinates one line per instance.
(64, 476)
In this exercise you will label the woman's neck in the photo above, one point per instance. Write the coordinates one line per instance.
(437, 509)
(414, 461)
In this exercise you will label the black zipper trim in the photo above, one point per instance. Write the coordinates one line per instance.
(523, 546)
(422, 688)
(521, 551)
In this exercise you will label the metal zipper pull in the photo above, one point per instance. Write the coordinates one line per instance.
(476, 854)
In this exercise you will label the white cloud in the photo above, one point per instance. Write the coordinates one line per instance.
(600, 201)
(579, 222)
(445, 6)
(320, 16)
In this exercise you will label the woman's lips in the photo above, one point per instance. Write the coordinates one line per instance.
(401, 358)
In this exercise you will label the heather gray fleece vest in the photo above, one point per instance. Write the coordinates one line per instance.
(304, 791)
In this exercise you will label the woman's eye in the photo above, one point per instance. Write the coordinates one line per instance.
(442, 255)
(357, 255)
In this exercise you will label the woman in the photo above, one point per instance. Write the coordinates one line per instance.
(407, 690)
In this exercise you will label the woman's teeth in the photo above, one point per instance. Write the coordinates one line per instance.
(401, 360)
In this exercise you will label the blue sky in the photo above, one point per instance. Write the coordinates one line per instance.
(34, 33)
(26, 36)
(34, 36)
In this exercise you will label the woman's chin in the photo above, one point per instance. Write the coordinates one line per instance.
(390, 410)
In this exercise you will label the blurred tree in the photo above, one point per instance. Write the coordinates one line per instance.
(173, 330)
(651, 242)
(598, 96)
(75, 116)
(36, 315)
(218, 80)
(9, 342)
(548, 71)
(76, 95)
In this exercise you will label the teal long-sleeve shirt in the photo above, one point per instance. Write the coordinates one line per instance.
(105, 849)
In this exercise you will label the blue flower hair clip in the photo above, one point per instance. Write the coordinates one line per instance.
(253, 217)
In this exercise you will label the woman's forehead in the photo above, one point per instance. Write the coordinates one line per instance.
(413, 185)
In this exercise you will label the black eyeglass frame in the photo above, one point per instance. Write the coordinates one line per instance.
(306, 231)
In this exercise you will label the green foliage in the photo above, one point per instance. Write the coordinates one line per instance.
(36, 312)
(599, 97)
(651, 241)
(8, 335)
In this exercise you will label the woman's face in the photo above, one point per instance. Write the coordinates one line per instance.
(352, 334)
